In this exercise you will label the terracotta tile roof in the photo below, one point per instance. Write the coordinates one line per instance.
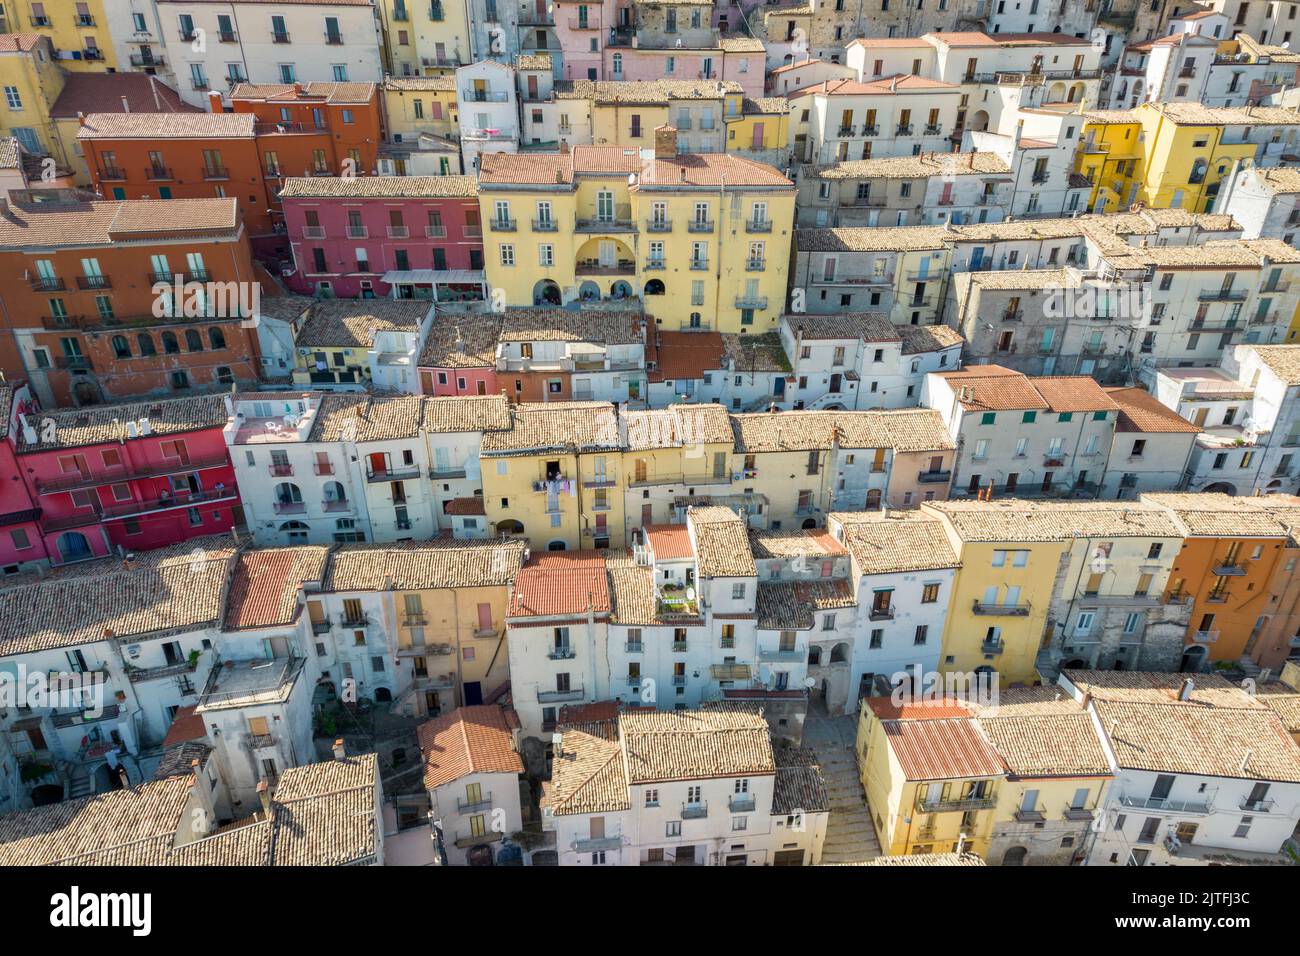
(632, 593)
(914, 167)
(178, 758)
(561, 325)
(1047, 745)
(1198, 114)
(812, 543)
(898, 542)
(885, 708)
(1282, 360)
(379, 187)
(741, 45)
(556, 426)
(864, 326)
(468, 740)
(1215, 515)
(445, 84)
(712, 170)
(721, 543)
(865, 239)
(695, 745)
(1140, 411)
(904, 430)
(928, 338)
(337, 94)
(799, 786)
(533, 61)
(660, 91)
(466, 413)
(561, 584)
(922, 859)
(19, 42)
(73, 224)
(324, 814)
(1015, 519)
(264, 587)
(1149, 687)
(101, 424)
(587, 773)
(885, 86)
(462, 341)
(684, 171)
(766, 105)
(755, 353)
(168, 126)
(679, 356)
(1283, 700)
(11, 153)
(1240, 743)
(352, 323)
(678, 426)
(1073, 393)
(423, 565)
(669, 541)
(942, 749)
(367, 417)
(792, 606)
(472, 505)
(185, 726)
(103, 93)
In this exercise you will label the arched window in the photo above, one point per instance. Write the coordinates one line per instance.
(121, 347)
(216, 338)
(873, 499)
(170, 345)
(193, 341)
(145, 341)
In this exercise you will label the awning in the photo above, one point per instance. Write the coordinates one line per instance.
(434, 277)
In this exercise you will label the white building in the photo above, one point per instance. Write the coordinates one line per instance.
(683, 788)
(599, 355)
(1151, 447)
(314, 40)
(902, 572)
(138, 38)
(472, 771)
(1265, 201)
(1234, 798)
(489, 110)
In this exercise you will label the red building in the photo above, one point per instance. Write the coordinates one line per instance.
(138, 476)
(21, 542)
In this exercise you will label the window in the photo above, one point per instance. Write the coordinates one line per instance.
(652, 798)
(12, 99)
(929, 593)
(738, 592)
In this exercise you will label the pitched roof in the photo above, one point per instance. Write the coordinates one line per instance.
(587, 774)
(695, 745)
(897, 542)
(1017, 519)
(423, 565)
(379, 187)
(1282, 360)
(1047, 745)
(562, 325)
(713, 170)
(800, 786)
(561, 584)
(721, 543)
(556, 426)
(942, 749)
(337, 94)
(477, 739)
(352, 323)
(104, 92)
(168, 126)
(1211, 514)
(462, 341)
(792, 605)
(1140, 411)
(669, 541)
(264, 587)
(75, 223)
(367, 417)
(904, 430)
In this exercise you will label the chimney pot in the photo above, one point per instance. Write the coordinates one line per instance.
(264, 795)
(666, 143)
(340, 752)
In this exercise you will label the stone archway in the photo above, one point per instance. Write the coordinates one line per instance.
(654, 287)
(1015, 856)
(547, 292)
(840, 653)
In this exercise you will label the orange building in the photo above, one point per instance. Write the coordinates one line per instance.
(274, 131)
(92, 321)
(1230, 558)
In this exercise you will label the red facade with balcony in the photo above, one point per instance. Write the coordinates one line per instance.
(21, 541)
(138, 476)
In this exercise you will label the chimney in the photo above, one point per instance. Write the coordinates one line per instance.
(666, 143)
(340, 752)
(81, 118)
(1185, 692)
(297, 89)
(264, 795)
(564, 147)
(126, 105)
(214, 102)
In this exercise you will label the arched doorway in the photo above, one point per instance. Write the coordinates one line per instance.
(654, 287)
(809, 523)
(840, 653)
(73, 546)
(295, 532)
(509, 526)
(589, 291)
(556, 546)
(86, 393)
(814, 656)
(547, 292)
(1055, 93)
(1222, 487)
(979, 121)
(1076, 93)
(1193, 659)
(1015, 856)
(383, 695)
(46, 794)
(620, 290)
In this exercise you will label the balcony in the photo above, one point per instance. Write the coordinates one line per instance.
(398, 232)
(1000, 610)
(1078, 814)
(699, 225)
(1198, 805)
(1013, 315)
(140, 60)
(109, 476)
(783, 656)
(313, 232)
(544, 225)
(464, 840)
(845, 132)
(335, 505)
(142, 674)
(933, 129)
(904, 129)
(992, 647)
(870, 130)
(226, 36)
(155, 173)
(751, 302)
(699, 265)
(654, 265)
(634, 647)
(741, 803)
(90, 283)
(755, 265)
(934, 477)
(334, 39)
(605, 224)
(216, 172)
(280, 37)
(559, 696)
(1257, 806)
(962, 804)
(260, 741)
(357, 620)
(400, 473)
(74, 362)
(881, 613)
(472, 806)
(1229, 570)
(659, 225)
(358, 232)
(597, 844)
(565, 653)
(582, 23)
(1205, 637)
(1222, 295)
(1030, 816)
(47, 284)
(1039, 177)
(289, 507)
(695, 811)
(112, 173)
(321, 627)
(503, 225)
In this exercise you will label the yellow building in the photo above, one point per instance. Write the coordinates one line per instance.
(930, 775)
(1016, 778)
(425, 37)
(626, 113)
(1002, 595)
(555, 478)
(702, 239)
(1173, 155)
(415, 105)
(450, 633)
(681, 451)
(32, 81)
(77, 26)
(761, 131)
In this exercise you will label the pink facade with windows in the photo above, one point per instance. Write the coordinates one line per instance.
(458, 381)
(408, 236)
(21, 542)
(624, 63)
(165, 478)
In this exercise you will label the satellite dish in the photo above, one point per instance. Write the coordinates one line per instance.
(810, 682)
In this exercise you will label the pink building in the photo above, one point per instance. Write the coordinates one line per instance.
(656, 41)
(460, 355)
(374, 236)
(142, 476)
(21, 542)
